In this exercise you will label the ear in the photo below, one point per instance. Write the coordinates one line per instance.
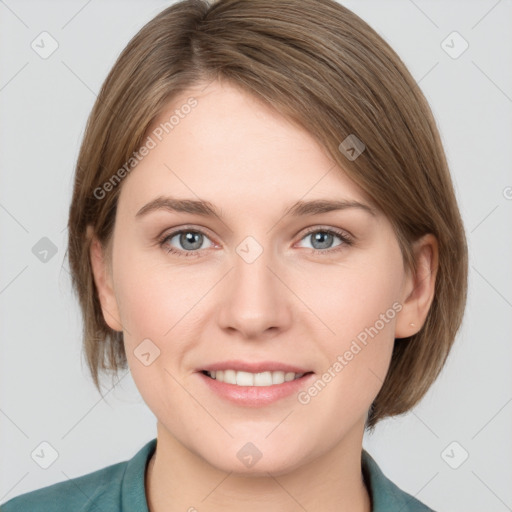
(104, 282)
(419, 288)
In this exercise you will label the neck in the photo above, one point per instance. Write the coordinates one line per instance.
(179, 480)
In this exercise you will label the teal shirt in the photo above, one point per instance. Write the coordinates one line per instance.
(120, 488)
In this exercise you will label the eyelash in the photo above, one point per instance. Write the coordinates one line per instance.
(346, 239)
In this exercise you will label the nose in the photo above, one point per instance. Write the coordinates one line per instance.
(255, 303)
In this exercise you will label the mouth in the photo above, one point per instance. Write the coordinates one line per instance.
(254, 384)
(246, 379)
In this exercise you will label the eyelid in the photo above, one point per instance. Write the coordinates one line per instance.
(170, 232)
(331, 229)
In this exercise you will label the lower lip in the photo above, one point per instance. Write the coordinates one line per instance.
(255, 396)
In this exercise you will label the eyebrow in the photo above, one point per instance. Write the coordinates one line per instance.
(207, 209)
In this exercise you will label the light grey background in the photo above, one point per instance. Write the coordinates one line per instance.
(46, 393)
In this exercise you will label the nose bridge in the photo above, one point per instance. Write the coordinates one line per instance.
(252, 277)
(254, 302)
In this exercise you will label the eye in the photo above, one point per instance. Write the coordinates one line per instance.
(322, 240)
(190, 240)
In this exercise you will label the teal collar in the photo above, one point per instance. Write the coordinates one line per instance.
(384, 494)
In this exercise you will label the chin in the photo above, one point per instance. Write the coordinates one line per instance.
(246, 458)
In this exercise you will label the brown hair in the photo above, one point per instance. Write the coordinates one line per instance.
(320, 65)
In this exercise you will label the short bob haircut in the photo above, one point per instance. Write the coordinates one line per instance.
(317, 64)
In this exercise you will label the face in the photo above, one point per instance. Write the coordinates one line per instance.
(259, 287)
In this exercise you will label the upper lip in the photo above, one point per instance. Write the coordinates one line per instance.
(254, 367)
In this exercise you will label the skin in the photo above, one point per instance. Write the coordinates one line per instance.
(290, 305)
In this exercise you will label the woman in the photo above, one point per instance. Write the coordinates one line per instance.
(264, 229)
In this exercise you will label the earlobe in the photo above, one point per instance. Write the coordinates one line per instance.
(419, 288)
(104, 283)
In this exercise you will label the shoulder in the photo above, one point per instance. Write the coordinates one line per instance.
(105, 489)
(75, 494)
(387, 496)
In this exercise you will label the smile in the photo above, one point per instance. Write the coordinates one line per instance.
(242, 378)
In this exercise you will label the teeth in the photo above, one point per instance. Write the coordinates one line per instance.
(253, 379)
(238, 378)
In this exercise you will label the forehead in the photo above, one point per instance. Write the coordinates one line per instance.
(218, 141)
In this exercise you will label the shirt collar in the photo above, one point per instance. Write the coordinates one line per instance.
(384, 494)
(133, 491)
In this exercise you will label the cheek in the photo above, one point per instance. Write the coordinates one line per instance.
(156, 308)
(351, 298)
(161, 310)
(156, 300)
(359, 304)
